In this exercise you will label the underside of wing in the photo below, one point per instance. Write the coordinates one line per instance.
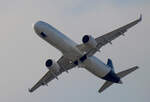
(107, 38)
(43, 81)
(64, 64)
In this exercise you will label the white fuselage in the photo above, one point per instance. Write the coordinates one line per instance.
(58, 40)
(69, 50)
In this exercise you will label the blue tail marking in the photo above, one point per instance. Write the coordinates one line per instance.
(110, 64)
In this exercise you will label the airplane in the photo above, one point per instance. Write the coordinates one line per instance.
(80, 55)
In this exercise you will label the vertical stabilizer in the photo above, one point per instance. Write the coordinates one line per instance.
(110, 63)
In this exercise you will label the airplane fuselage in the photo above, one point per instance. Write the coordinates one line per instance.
(69, 50)
(80, 55)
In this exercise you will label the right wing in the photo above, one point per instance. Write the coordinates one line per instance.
(65, 66)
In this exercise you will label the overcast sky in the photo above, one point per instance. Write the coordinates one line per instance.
(23, 53)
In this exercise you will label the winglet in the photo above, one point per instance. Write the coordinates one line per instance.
(140, 19)
(29, 90)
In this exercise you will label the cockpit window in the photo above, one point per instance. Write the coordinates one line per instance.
(43, 34)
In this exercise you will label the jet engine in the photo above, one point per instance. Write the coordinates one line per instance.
(52, 65)
(89, 41)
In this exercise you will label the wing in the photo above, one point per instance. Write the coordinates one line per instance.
(107, 38)
(65, 65)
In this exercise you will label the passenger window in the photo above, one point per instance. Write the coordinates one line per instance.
(43, 34)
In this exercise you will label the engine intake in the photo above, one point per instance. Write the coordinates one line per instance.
(89, 41)
(49, 63)
(85, 39)
(52, 65)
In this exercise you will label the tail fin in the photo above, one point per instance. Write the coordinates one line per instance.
(110, 63)
(121, 75)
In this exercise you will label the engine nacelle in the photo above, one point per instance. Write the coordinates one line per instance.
(89, 41)
(52, 65)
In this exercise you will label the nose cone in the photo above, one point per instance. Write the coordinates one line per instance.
(37, 26)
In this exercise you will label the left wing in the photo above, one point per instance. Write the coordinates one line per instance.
(65, 66)
(107, 38)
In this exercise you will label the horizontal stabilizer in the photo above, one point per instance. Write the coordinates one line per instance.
(105, 86)
(121, 75)
(126, 72)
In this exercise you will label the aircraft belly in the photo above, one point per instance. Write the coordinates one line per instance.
(95, 66)
(58, 41)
